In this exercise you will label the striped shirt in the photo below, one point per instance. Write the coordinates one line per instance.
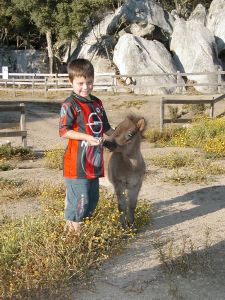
(87, 116)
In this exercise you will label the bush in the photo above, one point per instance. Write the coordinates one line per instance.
(54, 158)
(172, 160)
(207, 134)
(7, 152)
(153, 135)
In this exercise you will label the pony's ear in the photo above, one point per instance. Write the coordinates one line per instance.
(141, 124)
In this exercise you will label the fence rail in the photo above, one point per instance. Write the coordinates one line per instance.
(21, 123)
(104, 81)
(165, 101)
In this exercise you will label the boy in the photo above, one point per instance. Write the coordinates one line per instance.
(83, 121)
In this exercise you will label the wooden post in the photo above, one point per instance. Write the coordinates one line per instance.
(219, 80)
(14, 91)
(33, 85)
(161, 114)
(23, 124)
(179, 88)
(46, 87)
(113, 84)
(212, 109)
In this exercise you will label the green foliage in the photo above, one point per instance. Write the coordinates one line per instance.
(183, 7)
(66, 19)
(7, 152)
(173, 160)
(153, 135)
(54, 158)
(205, 133)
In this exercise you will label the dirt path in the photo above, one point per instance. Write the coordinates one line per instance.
(196, 211)
(193, 210)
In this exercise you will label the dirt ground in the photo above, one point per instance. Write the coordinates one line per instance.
(192, 215)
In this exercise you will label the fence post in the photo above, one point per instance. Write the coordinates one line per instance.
(23, 124)
(33, 85)
(14, 92)
(179, 88)
(161, 114)
(46, 87)
(113, 84)
(212, 110)
(219, 79)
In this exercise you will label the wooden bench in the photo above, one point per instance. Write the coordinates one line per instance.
(21, 124)
(165, 101)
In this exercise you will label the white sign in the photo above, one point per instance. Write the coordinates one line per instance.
(5, 73)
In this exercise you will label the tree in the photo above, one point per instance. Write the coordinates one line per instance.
(16, 28)
(43, 14)
(183, 7)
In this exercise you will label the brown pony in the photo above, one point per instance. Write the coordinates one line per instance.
(126, 166)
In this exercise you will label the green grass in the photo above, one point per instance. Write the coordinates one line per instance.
(188, 168)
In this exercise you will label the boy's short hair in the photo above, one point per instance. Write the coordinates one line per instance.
(80, 68)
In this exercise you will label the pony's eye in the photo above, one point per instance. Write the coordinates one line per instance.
(130, 134)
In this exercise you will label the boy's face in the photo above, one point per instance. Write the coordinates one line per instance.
(83, 86)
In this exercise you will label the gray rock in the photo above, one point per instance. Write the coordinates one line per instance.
(146, 12)
(145, 30)
(136, 55)
(199, 14)
(24, 61)
(195, 50)
(216, 22)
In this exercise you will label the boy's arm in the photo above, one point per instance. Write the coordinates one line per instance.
(67, 116)
(74, 135)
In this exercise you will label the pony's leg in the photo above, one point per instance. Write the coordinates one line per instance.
(121, 198)
(132, 202)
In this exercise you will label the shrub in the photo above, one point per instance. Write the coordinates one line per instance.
(15, 190)
(54, 158)
(153, 135)
(205, 133)
(5, 166)
(7, 152)
(172, 160)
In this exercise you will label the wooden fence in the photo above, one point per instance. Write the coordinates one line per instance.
(21, 124)
(165, 101)
(103, 81)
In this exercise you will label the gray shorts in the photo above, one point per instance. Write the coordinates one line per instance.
(81, 198)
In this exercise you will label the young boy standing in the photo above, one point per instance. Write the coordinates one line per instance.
(82, 121)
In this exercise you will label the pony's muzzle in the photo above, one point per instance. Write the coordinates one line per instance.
(111, 145)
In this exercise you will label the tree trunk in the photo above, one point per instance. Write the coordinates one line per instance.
(50, 50)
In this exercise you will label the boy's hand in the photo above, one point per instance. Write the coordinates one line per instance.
(94, 141)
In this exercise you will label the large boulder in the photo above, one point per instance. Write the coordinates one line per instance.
(135, 55)
(97, 46)
(144, 12)
(216, 22)
(199, 14)
(195, 50)
(94, 42)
